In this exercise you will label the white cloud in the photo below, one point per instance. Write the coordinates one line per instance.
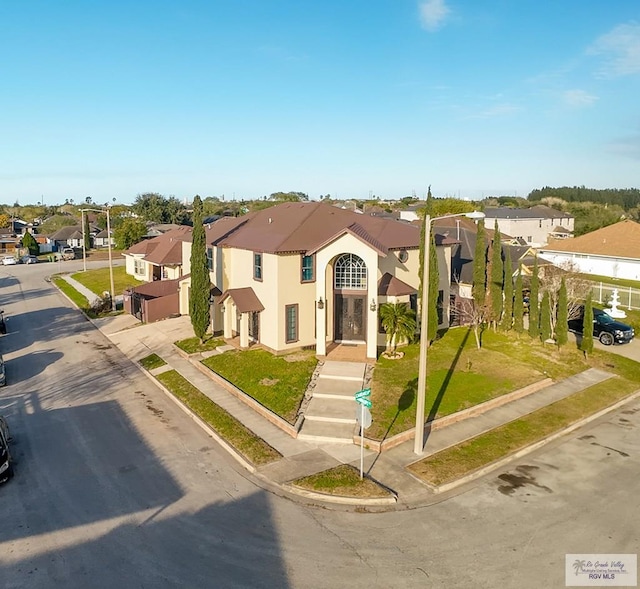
(621, 50)
(433, 13)
(578, 98)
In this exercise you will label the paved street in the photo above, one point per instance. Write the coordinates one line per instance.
(115, 487)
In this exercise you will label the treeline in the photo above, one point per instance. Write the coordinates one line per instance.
(627, 198)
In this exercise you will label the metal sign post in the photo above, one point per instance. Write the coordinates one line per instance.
(363, 417)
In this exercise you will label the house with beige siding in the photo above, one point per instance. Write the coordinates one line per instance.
(533, 227)
(301, 275)
(612, 251)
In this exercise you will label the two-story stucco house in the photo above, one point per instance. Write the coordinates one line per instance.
(309, 275)
(532, 227)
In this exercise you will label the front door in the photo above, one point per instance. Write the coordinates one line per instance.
(349, 318)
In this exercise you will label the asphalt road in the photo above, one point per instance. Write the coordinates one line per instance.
(115, 487)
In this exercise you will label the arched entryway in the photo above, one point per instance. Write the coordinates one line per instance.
(350, 299)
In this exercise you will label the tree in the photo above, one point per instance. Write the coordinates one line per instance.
(434, 283)
(200, 283)
(586, 345)
(398, 322)
(87, 233)
(154, 207)
(479, 285)
(507, 314)
(518, 305)
(496, 283)
(562, 316)
(545, 318)
(29, 241)
(5, 220)
(128, 233)
(534, 303)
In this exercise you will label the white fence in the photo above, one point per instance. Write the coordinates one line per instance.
(628, 298)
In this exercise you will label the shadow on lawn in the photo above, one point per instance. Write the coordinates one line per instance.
(433, 412)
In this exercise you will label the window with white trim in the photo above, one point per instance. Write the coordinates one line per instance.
(350, 273)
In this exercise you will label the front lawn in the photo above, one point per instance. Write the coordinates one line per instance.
(99, 282)
(192, 345)
(466, 457)
(277, 382)
(460, 376)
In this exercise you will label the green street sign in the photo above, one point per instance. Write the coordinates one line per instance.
(364, 401)
(363, 394)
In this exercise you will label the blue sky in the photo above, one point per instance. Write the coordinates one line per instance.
(111, 98)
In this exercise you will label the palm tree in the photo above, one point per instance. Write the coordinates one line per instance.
(398, 322)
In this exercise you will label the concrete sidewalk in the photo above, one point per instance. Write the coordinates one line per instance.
(305, 457)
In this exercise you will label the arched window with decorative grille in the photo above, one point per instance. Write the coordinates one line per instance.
(350, 273)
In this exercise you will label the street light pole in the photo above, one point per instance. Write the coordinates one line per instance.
(418, 442)
(106, 209)
(84, 244)
(113, 300)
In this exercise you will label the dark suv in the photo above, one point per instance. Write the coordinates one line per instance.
(6, 466)
(605, 328)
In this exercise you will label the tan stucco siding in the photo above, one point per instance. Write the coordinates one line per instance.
(291, 291)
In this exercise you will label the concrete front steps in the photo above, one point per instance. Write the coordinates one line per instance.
(330, 416)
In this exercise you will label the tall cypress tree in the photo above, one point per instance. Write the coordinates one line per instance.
(479, 285)
(518, 306)
(534, 303)
(545, 317)
(496, 283)
(562, 316)
(507, 314)
(200, 283)
(434, 282)
(586, 345)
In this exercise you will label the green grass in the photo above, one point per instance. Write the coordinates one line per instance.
(228, 427)
(98, 281)
(343, 480)
(192, 345)
(615, 282)
(464, 458)
(277, 382)
(152, 361)
(78, 299)
(460, 376)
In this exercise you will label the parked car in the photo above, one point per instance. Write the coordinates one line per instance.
(605, 328)
(29, 260)
(9, 260)
(6, 464)
(3, 324)
(3, 375)
(68, 253)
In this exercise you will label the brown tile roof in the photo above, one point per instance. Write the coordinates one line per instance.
(245, 299)
(303, 227)
(621, 240)
(166, 249)
(391, 286)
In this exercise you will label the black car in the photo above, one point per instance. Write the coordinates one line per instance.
(6, 465)
(605, 328)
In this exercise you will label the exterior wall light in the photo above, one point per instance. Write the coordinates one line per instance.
(373, 306)
(320, 303)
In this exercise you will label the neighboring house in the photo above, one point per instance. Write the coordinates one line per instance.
(611, 251)
(71, 236)
(158, 258)
(411, 212)
(101, 239)
(462, 232)
(310, 274)
(534, 226)
(156, 229)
